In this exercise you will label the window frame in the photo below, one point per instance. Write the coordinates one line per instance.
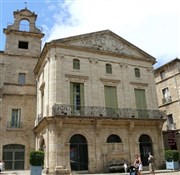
(137, 72)
(15, 120)
(76, 64)
(114, 138)
(108, 68)
(77, 93)
(22, 78)
(162, 74)
(23, 45)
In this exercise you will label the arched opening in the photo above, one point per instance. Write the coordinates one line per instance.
(78, 153)
(114, 139)
(13, 156)
(145, 146)
(24, 25)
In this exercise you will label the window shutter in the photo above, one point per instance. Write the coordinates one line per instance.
(82, 94)
(110, 96)
(140, 99)
(71, 94)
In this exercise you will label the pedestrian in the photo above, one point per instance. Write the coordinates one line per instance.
(138, 164)
(151, 164)
(1, 166)
(125, 167)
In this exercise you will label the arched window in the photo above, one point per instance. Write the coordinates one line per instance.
(114, 139)
(108, 68)
(13, 156)
(137, 72)
(76, 64)
(77, 138)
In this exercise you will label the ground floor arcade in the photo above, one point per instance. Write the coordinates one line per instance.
(91, 144)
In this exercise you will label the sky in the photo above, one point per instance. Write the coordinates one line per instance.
(151, 25)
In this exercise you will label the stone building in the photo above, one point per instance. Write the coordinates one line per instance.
(18, 89)
(87, 100)
(96, 103)
(167, 78)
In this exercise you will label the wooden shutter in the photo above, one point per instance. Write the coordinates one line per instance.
(140, 97)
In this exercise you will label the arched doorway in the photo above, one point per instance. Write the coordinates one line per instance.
(145, 144)
(13, 156)
(78, 153)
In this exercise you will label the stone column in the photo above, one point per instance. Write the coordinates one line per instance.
(50, 159)
(62, 151)
(52, 82)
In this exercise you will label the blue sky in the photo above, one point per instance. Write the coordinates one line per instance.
(152, 25)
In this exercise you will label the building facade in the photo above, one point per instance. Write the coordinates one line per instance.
(86, 101)
(167, 78)
(18, 90)
(96, 103)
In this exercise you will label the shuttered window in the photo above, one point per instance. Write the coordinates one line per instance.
(140, 97)
(77, 95)
(110, 96)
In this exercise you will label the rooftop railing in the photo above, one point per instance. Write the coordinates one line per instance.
(96, 111)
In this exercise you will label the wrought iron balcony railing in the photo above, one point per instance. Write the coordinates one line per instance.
(95, 111)
(171, 126)
(167, 100)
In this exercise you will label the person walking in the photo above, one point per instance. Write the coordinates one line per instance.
(138, 164)
(1, 166)
(151, 164)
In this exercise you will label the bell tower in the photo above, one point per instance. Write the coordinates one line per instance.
(23, 40)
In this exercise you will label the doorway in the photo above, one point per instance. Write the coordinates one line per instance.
(78, 153)
(145, 144)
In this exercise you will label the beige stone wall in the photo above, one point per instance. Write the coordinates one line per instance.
(100, 153)
(34, 45)
(23, 135)
(172, 82)
(59, 68)
(54, 75)
(17, 96)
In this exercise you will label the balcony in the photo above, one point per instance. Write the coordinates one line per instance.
(95, 111)
(171, 126)
(166, 100)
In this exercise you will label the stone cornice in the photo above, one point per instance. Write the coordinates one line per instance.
(76, 78)
(110, 82)
(139, 84)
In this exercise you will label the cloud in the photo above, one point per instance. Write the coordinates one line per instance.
(152, 25)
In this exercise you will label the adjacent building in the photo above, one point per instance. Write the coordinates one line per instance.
(86, 101)
(18, 90)
(167, 78)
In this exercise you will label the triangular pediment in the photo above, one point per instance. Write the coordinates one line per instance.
(105, 41)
